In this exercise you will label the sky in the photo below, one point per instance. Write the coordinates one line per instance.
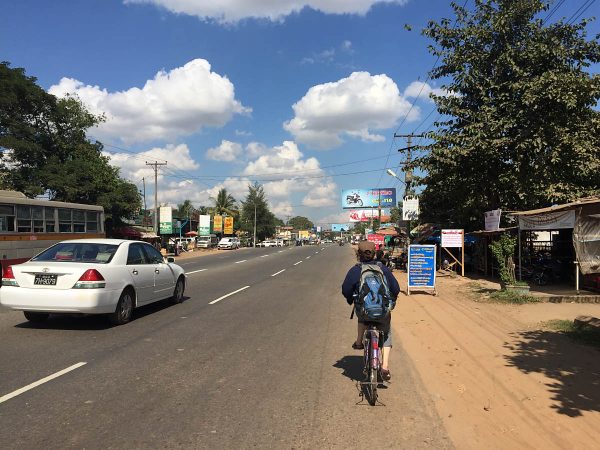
(303, 96)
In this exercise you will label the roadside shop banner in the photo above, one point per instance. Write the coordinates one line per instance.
(368, 198)
(548, 221)
(492, 220)
(204, 225)
(365, 215)
(218, 224)
(166, 220)
(421, 267)
(340, 227)
(453, 238)
(377, 239)
(228, 225)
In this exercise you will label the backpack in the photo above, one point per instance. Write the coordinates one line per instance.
(373, 301)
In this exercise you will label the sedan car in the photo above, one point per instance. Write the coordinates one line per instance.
(92, 276)
(228, 243)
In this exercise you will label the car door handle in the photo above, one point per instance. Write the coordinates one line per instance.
(134, 271)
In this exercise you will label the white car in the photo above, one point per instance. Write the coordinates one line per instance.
(269, 243)
(228, 243)
(92, 276)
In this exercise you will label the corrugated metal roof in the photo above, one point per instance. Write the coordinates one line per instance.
(565, 207)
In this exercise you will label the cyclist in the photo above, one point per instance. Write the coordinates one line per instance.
(366, 255)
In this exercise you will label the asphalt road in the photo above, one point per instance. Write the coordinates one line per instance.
(269, 366)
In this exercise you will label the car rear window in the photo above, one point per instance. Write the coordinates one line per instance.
(78, 252)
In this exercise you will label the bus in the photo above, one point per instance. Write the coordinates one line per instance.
(28, 226)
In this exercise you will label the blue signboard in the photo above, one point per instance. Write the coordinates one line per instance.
(421, 267)
(368, 198)
(340, 227)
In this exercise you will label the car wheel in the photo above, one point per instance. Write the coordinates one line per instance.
(124, 310)
(178, 292)
(36, 316)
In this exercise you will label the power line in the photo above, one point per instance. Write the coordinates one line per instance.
(552, 11)
(577, 14)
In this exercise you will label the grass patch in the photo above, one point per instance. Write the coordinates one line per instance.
(511, 297)
(584, 334)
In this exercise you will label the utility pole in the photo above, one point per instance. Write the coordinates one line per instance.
(144, 194)
(254, 239)
(407, 171)
(156, 164)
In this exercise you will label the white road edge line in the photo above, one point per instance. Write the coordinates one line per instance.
(308, 257)
(264, 256)
(228, 295)
(280, 251)
(195, 271)
(277, 273)
(243, 260)
(42, 381)
(297, 263)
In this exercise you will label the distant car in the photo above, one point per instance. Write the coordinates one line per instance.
(228, 243)
(207, 241)
(279, 242)
(92, 276)
(269, 243)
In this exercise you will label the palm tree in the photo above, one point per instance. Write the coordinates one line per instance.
(225, 204)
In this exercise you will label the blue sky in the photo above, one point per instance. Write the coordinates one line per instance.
(228, 92)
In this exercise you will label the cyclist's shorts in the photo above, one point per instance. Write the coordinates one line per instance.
(387, 331)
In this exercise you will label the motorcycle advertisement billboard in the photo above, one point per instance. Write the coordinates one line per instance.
(368, 198)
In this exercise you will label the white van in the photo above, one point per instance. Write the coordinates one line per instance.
(207, 241)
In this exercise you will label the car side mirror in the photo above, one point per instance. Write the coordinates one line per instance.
(170, 259)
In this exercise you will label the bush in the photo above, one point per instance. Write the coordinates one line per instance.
(503, 250)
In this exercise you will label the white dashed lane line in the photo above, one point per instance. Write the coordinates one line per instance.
(228, 295)
(277, 273)
(195, 271)
(264, 256)
(40, 382)
(308, 257)
(297, 263)
(243, 260)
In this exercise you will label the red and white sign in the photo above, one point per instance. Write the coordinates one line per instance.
(453, 238)
(377, 239)
(365, 215)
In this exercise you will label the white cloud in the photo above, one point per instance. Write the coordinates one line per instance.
(422, 90)
(226, 151)
(175, 103)
(282, 209)
(231, 11)
(325, 194)
(352, 106)
(255, 149)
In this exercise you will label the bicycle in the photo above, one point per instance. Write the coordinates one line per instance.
(372, 342)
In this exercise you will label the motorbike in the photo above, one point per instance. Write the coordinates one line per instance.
(354, 199)
(341, 243)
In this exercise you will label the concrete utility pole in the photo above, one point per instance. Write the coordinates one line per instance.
(408, 170)
(145, 209)
(156, 164)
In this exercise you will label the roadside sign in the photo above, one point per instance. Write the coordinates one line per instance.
(421, 267)
(492, 220)
(452, 238)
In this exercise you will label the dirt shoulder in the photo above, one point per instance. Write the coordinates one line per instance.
(497, 377)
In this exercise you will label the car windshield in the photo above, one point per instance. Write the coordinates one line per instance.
(86, 252)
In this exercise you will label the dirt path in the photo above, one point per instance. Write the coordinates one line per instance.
(497, 379)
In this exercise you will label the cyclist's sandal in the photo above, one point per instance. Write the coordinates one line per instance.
(356, 346)
(386, 375)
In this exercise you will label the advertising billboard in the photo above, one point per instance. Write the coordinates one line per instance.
(340, 227)
(204, 225)
(166, 220)
(410, 209)
(228, 221)
(368, 198)
(364, 215)
(377, 239)
(304, 234)
(218, 224)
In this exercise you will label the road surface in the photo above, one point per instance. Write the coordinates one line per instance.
(258, 355)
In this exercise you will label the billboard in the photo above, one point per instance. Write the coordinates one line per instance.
(421, 267)
(410, 208)
(377, 239)
(304, 234)
(204, 225)
(340, 227)
(166, 220)
(492, 220)
(228, 225)
(218, 224)
(368, 198)
(453, 238)
(364, 215)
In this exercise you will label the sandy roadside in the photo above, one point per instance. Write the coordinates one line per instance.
(497, 379)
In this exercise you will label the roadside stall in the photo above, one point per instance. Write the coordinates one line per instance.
(572, 246)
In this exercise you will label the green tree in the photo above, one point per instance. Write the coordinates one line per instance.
(224, 203)
(519, 128)
(265, 220)
(184, 209)
(300, 223)
(45, 149)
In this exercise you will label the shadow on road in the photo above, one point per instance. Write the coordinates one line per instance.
(352, 367)
(93, 321)
(573, 368)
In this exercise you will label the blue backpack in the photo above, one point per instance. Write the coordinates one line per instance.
(374, 300)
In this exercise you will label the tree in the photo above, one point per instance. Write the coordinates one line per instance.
(300, 223)
(265, 220)
(45, 149)
(224, 203)
(184, 209)
(520, 130)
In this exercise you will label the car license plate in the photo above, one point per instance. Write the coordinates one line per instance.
(45, 279)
